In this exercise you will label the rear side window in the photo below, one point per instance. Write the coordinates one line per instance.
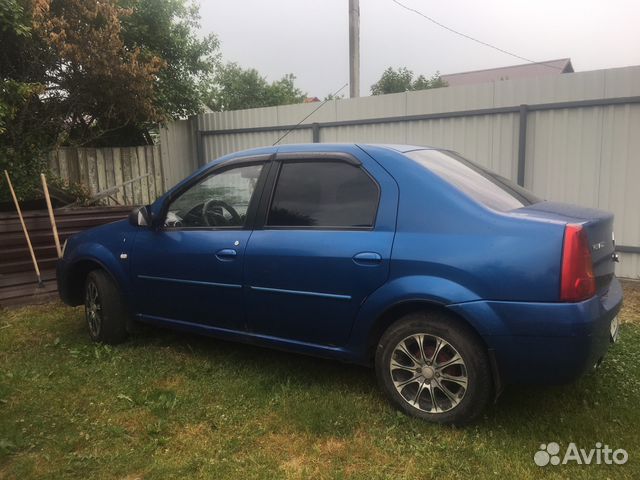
(323, 194)
(481, 184)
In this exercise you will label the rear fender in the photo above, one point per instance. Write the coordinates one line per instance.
(430, 290)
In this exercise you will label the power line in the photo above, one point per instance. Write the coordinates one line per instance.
(469, 37)
(312, 112)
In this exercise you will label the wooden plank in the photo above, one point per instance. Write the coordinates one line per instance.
(157, 169)
(80, 166)
(127, 170)
(110, 191)
(73, 157)
(142, 168)
(101, 172)
(53, 162)
(151, 179)
(135, 172)
(121, 195)
(63, 164)
(92, 171)
(110, 175)
(166, 142)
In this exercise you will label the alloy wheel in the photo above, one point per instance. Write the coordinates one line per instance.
(93, 308)
(428, 373)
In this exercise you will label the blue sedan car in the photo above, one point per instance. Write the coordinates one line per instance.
(449, 279)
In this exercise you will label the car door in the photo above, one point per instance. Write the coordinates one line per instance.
(190, 268)
(323, 245)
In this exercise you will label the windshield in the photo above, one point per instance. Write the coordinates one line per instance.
(479, 183)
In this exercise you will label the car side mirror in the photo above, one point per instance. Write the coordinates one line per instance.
(140, 217)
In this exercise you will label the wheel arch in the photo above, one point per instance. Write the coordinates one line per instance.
(398, 310)
(77, 275)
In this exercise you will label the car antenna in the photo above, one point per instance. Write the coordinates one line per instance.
(312, 112)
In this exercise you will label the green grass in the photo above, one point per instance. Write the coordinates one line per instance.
(169, 405)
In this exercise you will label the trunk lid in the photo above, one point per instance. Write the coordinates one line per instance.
(598, 225)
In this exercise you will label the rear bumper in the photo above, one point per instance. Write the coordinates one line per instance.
(545, 343)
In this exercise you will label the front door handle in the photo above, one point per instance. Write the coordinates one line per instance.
(226, 254)
(367, 258)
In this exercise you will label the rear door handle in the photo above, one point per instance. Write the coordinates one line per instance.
(367, 258)
(226, 254)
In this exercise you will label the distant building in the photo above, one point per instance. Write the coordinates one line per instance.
(311, 100)
(527, 70)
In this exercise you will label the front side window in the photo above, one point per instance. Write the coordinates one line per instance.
(220, 200)
(323, 194)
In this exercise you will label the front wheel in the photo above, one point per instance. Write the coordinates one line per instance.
(433, 367)
(104, 309)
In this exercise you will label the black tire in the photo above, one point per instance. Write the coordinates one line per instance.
(433, 329)
(109, 325)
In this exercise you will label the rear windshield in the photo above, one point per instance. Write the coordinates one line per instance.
(480, 184)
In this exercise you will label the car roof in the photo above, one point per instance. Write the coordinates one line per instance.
(310, 147)
(400, 148)
(389, 146)
(318, 147)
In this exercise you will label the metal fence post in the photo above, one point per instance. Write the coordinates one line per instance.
(316, 132)
(522, 143)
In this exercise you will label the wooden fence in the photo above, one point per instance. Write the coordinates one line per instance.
(100, 169)
(18, 281)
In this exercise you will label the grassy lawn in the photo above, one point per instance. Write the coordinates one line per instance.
(169, 405)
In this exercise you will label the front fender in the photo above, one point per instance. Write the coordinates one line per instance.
(435, 290)
(96, 253)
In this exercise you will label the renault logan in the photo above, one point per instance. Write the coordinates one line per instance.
(449, 279)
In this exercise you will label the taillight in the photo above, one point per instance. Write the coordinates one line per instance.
(578, 282)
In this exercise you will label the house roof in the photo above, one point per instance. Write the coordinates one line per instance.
(526, 70)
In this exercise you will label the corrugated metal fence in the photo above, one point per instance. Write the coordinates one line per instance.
(18, 281)
(100, 169)
(570, 137)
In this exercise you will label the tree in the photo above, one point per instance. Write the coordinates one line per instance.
(98, 82)
(168, 29)
(25, 124)
(87, 72)
(333, 96)
(393, 81)
(113, 67)
(237, 88)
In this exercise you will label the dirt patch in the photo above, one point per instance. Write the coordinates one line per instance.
(631, 309)
(135, 422)
(173, 383)
(306, 456)
(192, 437)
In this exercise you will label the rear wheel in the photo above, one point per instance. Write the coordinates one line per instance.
(104, 309)
(433, 367)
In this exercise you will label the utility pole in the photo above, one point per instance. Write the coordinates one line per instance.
(354, 48)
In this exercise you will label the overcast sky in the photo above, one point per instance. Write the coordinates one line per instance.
(310, 38)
